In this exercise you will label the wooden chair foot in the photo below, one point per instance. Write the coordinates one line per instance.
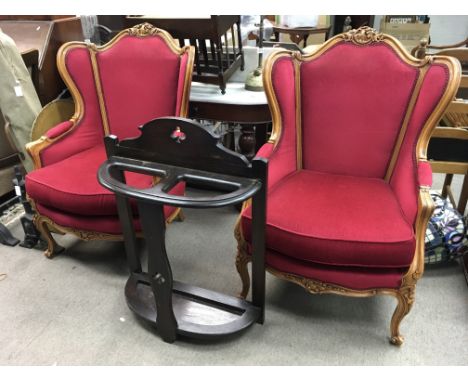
(405, 297)
(52, 247)
(241, 264)
(181, 216)
(177, 214)
(397, 340)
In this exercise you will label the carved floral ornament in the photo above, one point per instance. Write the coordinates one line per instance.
(363, 36)
(143, 30)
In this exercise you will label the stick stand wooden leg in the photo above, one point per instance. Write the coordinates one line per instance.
(159, 269)
(258, 248)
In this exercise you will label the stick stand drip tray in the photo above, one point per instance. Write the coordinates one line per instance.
(200, 313)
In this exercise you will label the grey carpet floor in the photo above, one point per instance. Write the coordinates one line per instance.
(71, 310)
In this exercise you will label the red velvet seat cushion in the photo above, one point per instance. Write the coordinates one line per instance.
(109, 224)
(336, 220)
(106, 224)
(72, 186)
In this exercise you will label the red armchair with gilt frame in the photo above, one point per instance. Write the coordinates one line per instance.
(348, 186)
(141, 74)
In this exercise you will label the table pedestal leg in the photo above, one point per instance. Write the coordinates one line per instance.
(252, 138)
(247, 141)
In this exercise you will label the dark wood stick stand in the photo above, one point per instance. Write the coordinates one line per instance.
(177, 149)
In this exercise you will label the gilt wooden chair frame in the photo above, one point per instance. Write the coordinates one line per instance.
(44, 224)
(406, 293)
(455, 120)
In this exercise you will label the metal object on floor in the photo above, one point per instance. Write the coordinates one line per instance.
(6, 237)
(170, 149)
(31, 234)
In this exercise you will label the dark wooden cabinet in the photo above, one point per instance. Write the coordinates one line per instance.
(356, 22)
(217, 42)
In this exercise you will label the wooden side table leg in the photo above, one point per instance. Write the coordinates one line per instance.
(463, 196)
(464, 261)
(229, 140)
(159, 269)
(447, 183)
(260, 135)
(239, 39)
(219, 52)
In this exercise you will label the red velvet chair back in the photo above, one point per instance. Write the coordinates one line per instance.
(360, 105)
(140, 75)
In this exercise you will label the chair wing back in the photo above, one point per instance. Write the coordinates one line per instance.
(139, 75)
(358, 106)
(76, 69)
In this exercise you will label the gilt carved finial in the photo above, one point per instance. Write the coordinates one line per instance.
(143, 30)
(363, 36)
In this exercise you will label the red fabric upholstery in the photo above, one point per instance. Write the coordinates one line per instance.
(424, 174)
(58, 130)
(181, 83)
(336, 220)
(88, 132)
(72, 186)
(353, 103)
(132, 71)
(404, 179)
(284, 159)
(265, 151)
(348, 277)
(107, 224)
(139, 80)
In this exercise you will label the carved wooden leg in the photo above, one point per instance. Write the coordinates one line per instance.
(180, 215)
(405, 302)
(177, 214)
(242, 258)
(52, 247)
(241, 264)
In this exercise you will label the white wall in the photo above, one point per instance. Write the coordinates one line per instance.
(448, 29)
(444, 29)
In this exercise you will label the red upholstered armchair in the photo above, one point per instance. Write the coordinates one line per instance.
(140, 75)
(348, 187)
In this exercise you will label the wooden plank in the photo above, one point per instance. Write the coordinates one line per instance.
(458, 107)
(449, 167)
(450, 132)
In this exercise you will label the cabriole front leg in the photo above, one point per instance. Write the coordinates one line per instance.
(43, 227)
(242, 260)
(405, 297)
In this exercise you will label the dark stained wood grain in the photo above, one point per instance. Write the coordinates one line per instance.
(178, 149)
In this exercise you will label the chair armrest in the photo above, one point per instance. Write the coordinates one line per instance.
(51, 136)
(424, 174)
(265, 151)
(51, 115)
(277, 170)
(58, 130)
